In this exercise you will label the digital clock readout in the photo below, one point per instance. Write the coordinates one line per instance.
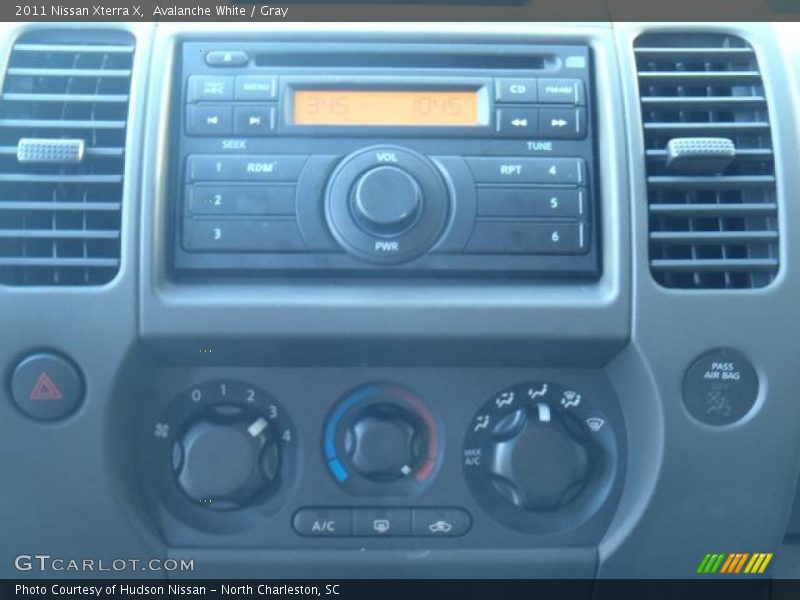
(388, 108)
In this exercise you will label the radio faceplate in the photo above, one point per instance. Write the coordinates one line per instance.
(385, 159)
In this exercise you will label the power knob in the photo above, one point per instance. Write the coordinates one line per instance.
(387, 201)
(386, 204)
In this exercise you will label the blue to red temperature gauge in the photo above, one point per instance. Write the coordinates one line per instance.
(381, 439)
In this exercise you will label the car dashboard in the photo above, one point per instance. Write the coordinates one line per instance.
(476, 300)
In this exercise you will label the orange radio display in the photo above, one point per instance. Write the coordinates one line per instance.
(388, 108)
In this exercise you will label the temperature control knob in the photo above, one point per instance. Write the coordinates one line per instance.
(226, 458)
(539, 459)
(384, 444)
(381, 440)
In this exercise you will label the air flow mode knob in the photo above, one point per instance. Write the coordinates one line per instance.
(538, 460)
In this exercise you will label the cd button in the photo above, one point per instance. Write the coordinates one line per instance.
(253, 120)
(209, 120)
(517, 122)
(210, 87)
(560, 91)
(562, 123)
(515, 91)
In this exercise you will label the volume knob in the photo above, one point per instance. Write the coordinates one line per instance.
(387, 201)
(386, 204)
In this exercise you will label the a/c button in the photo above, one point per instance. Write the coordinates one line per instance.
(323, 522)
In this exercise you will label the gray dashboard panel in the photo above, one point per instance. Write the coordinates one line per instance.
(690, 489)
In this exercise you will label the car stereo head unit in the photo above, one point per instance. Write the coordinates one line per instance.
(412, 159)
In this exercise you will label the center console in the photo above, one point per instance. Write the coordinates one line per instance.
(385, 159)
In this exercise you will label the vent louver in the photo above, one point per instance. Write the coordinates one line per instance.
(60, 202)
(713, 229)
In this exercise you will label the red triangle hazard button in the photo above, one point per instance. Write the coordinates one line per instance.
(45, 389)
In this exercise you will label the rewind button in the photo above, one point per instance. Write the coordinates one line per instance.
(517, 122)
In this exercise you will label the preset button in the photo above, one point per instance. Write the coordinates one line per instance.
(504, 237)
(223, 167)
(526, 170)
(528, 201)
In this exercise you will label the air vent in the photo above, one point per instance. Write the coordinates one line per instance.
(63, 118)
(713, 211)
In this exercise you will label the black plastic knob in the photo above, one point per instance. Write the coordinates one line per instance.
(386, 201)
(226, 458)
(384, 444)
(539, 461)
